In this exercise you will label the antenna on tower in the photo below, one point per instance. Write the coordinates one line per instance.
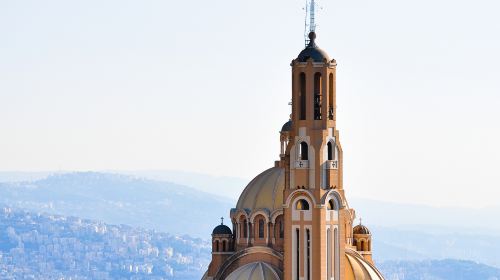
(310, 19)
(312, 10)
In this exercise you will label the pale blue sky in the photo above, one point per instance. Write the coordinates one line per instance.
(204, 85)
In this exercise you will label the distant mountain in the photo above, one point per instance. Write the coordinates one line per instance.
(230, 187)
(447, 269)
(409, 245)
(412, 216)
(121, 199)
(380, 213)
(25, 176)
(37, 246)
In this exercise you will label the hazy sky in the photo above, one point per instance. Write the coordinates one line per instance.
(203, 86)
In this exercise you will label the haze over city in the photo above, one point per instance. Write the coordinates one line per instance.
(125, 85)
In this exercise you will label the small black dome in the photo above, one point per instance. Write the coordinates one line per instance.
(360, 229)
(222, 229)
(312, 51)
(287, 126)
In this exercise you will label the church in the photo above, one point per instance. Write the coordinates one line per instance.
(293, 221)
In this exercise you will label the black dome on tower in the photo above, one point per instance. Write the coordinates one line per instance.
(287, 126)
(313, 51)
(222, 229)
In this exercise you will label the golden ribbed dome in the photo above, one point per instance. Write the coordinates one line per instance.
(254, 271)
(265, 191)
(358, 268)
(360, 229)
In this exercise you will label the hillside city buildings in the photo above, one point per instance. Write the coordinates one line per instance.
(41, 246)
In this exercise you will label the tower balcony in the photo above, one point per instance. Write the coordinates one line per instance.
(332, 164)
(302, 164)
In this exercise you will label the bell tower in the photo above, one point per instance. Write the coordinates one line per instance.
(318, 225)
(292, 221)
(315, 154)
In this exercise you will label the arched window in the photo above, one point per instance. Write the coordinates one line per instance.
(302, 97)
(302, 204)
(331, 205)
(330, 97)
(224, 248)
(336, 246)
(216, 245)
(330, 150)
(245, 227)
(361, 245)
(304, 151)
(317, 96)
(279, 227)
(261, 228)
(297, 264)
(308, 252)
(329, 254)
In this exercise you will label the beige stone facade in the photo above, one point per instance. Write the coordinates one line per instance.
(293, 221)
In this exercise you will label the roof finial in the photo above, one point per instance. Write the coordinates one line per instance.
(360, 220)
(222, 220)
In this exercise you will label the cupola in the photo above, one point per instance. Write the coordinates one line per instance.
(362, 240)
(222, 237)
(221, 230)
(287, 126)
(360, 229)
